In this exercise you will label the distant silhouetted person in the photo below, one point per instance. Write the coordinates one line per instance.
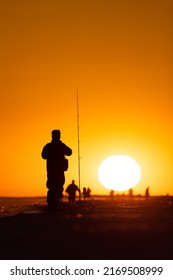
(84, 193)
(147, 194)
(55, 152)
(88, 192)
(71, 190)
(112, 194)
(131, 194)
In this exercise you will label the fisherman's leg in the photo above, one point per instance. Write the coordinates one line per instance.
(55, 184)
(60, 186)
(51, 195)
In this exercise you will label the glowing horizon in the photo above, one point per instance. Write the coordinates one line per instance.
(121, 64)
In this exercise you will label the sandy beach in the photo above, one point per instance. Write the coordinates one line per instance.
(92, 229)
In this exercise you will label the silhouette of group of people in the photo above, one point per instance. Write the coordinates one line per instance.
(55, 153)
(130, 194)
(86, 192)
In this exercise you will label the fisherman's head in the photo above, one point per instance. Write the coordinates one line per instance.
(56, 134)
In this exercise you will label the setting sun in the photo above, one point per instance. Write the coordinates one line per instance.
(119, 172)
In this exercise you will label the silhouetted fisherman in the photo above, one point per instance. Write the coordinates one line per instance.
(131, 194)
(147, 194)
(88, 192)
(84, 193)
(54, 152)
(71, 190)
(112, 194)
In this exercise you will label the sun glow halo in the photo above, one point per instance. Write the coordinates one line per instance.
(119, 172)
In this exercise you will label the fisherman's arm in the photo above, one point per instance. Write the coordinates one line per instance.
(44, 152)
(67, 150)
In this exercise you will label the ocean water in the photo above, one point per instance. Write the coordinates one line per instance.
(10, 206)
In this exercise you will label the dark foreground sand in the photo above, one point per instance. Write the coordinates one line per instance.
(93, 229)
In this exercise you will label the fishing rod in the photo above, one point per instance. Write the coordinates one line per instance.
(78, 137)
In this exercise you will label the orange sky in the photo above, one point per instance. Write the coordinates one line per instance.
(119, 54)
